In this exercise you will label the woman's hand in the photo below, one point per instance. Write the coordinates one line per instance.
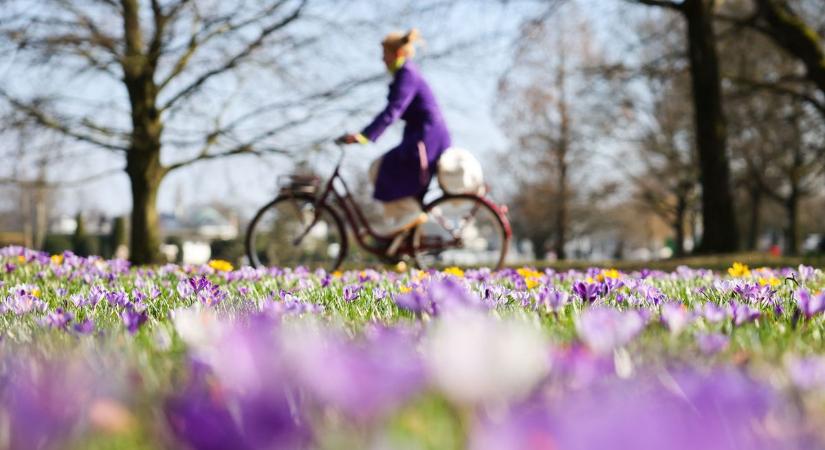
(352, 138)
(349, 138)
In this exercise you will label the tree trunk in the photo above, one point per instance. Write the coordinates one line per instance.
(755, 212)
(562, 149)
(718, 219)
(561, 215)
(538, 247)
(792, 230)
(143, 156)
(679, 226)
(145, 175)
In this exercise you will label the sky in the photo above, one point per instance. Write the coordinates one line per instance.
(465, 85)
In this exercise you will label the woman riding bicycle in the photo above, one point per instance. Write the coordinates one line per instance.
(401, 175)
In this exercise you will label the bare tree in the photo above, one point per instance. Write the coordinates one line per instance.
(776, 131)
(781, 145)
(719, 231)
(161, 76)
(792, 26)
(542, 105)
(27, 179)
(666, 183)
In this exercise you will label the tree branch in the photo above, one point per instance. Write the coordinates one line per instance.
(661, 3)
(783, 90)
(209, 31)
(790, 32)
(239, 150)
(52, 123)
(238, 58)
(62, 184)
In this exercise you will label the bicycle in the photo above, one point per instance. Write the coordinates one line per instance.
(303, 226)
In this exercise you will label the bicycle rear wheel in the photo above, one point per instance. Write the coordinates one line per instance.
(460, 230)
(292, 231)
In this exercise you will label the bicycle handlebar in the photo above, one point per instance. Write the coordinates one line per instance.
(340, 143)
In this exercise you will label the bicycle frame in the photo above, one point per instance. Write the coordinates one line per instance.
(331, 195)
(353, 214)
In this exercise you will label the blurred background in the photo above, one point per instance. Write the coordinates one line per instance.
(631, 130)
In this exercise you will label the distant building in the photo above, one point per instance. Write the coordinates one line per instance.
(207, 223)
(195, 228)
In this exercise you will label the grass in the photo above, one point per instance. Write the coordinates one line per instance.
(142, 371)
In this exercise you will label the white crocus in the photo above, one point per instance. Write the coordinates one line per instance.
(198, 327)
(475, 358)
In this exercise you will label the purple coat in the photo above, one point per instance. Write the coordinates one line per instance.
(406, 170)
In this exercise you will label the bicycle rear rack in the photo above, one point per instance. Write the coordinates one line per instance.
(293, 183)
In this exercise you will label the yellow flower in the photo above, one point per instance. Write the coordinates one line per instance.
(36, 292)
(337, 274)
(772, 281)
(739, 270)
(401, 267)
(531, 276)
(419, 275)
(527, 272)
(454, 271)
(221, 265)
(610, 273)
(21, 259)
(404, 289)
(57, 259)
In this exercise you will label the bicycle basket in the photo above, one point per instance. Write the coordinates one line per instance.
(298, 183)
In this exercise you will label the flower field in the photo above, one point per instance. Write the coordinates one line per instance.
(98, 355)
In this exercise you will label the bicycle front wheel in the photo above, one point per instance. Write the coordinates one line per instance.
(460, 230)
(292, 231)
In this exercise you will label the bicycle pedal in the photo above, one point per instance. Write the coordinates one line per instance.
(396, 243)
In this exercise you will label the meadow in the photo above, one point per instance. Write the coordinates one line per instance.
(99, 355)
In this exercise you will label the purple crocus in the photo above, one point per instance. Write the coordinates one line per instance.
(133, 319)
(204, 415)
(742, 313)
(720, 411)
(414, 301)
(809, 304)
(807, 373)
(351, 292)
(650, 293)
(712, 313)
(588, 292)
(58, 318)
(604, 329)
(807, 273)
(712, 343)
(41, 400)
(552, 299)
(449, 293)
(85, 327)
(78, 300)
(184, 288)
(23, 301)
(96, 294)
(334, 370)
(675, 317)
(117, 298)
(437, 296)
(576, 366)
(199, 418)
(211, 294)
